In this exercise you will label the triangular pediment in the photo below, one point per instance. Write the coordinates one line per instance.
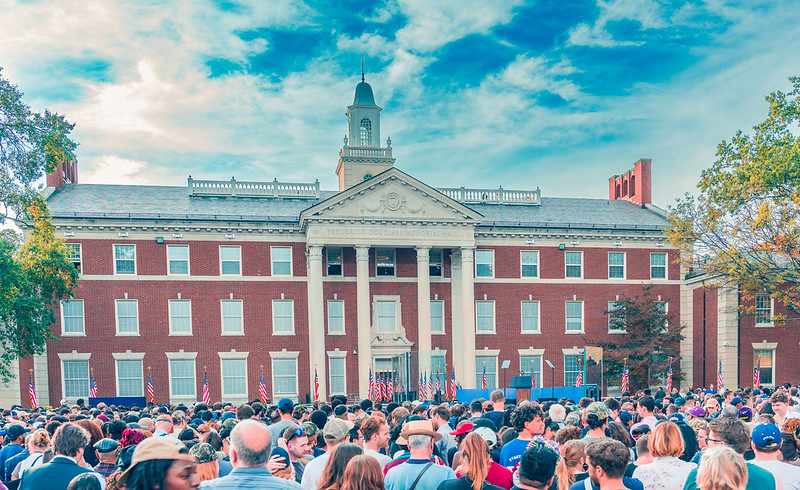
(391, 196)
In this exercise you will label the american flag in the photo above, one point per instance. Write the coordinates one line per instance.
(757, 375)
(316, 385)
(422, 386)
(438, 382)
(483, 383)
(382, 382)
(32, 391)
(371, 389)
(262, 387)
(533, 378)
(669, 378)
(390, 386)
(430, 391)
(453, 383)
(719, 376)
(206, 394)
(150, 390)
(624, 386)
(579, 381)
(92, 385)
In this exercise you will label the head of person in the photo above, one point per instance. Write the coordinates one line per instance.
(283, 464)
(537, 466)
(573, 457)
(596, 415)
(642, 451)
(788, 447)
(375, 432)
(607, 460)
(205, 458)
(419, 436)
(84, 481)
(528, 417)
(160, 462)
(296, 441)
(250, 444)
(475, 456)
(497, 398)
(336, 431)
(780, 403)
(244, 412)
(724, 431)
(285, 406)
(712, 405)
(666, 440)
(39, 440)
(440, 416)
(70, 440)
(362, 472)
(647, 405)
(476, 407)
(334, 469)
(557, 413)
(721, 469)
(164, 422)
(766, 438)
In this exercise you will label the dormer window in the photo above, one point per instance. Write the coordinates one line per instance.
(366, 132)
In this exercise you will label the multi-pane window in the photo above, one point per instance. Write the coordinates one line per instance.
(74, 255)
(335, 316)
(573, 264)
(616, 265)
(336, 367)
(435, 265)
(282, 316)
(439, 368)
(178, 259)
(614, 321)
(763, 309)
(281, 261)
(487, 364)
(234, 378)
(484, 316)
(764, 360)
(530, 316)
(76, 379)
(124, 259)
(574, 316)
(529, 263)
(664, 308)
(180, 316)
(230, 260)
(384, 260)
(572, 368)
(484, 262)
(232, 321)
(284, 377)
(333, 258)
(365, 132)
(528, 364)
(658, 266)
(72, 317)
(127, 317)
(387, 316)
(181, 372)
(129, 377)
(437, 316)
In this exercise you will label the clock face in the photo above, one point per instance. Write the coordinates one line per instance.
(367, 176)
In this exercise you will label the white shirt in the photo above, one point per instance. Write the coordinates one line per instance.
(34, 459)
(313, 471)
(666, 472)
(788, 474)
(382, 458)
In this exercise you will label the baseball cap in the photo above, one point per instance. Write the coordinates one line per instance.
(203, 453)
(680, 401)
(598, 409)
(625, 417)
(462, 429)
(337, 429)
(735, 400)
(697, 411)
(310, 428)
(156, 448)
(16, 430)
(285, 403)
(746, 414)
(483, 422)
(488, 435)
(766, 435)
(279, 451)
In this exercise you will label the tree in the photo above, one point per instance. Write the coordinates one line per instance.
(743, 228)
(36, 274)
(651, 341)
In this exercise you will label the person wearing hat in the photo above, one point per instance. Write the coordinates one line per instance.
(419, 471)
(766, 442)
(16, 444)
(335, 432)
(160, 462)
(69, 442)
(595, 417)
(206, 458)
(296, 448)
(107, 451)
(286, 408)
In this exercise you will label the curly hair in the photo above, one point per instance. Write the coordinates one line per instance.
(524, 414)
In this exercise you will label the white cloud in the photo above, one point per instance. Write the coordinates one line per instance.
(113, 169)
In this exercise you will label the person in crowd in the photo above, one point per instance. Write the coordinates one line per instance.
(607, 460)
(280, 465)
(250, 449)
(780, 405)
(363, 472)
(286, 408)
(475, 410)
(498, 402)
(439, 418)
(16, 444)
(528, 421)
(789, 449)
(69, 442)
(536, 467)
(205, 458)
(557, 414)
(419, 467)
(38, 443)
(163, 425)
(474, 467)
(721, 468)
(334, 469)
(666, 471)
(335, 433)
(570, 467)
(160, 463)
(376, 438)
(595, 418)
(643, 455)
(107, 451)
(646, 409)
(84, 481)
(766, 443)
(297, 448)
(89, 454)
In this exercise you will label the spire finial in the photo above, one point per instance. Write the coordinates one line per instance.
(362, 68)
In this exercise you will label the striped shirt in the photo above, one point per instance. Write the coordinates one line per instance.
(250, 478)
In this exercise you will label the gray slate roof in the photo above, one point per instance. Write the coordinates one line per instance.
(171, 202)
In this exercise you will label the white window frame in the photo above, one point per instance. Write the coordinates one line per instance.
(522, 253)
(572, 354)
(439, 307)
(128, 356)
(170, 260)
(770, 323)
(329, 263)
(182, 356)
(494, 317)
(274, 317)
(222, 317)
(610, 315)
(114, 252)
(393, 261)
(568, 265)
(172, 331)
(398, 313)
(273, 262)
(337, 356)
(233, 355)
(524, 366)
(538, 305)
(766, 346)
(116, 317)
(486, 354)
(624, 265)
(74, 356)
(331, 331)
(71, 258)
(439, 359)
(64, 332)
(665, 266)
(567, 317)
(478, 253)
(239, 260)
(284, 355)
(436, 265)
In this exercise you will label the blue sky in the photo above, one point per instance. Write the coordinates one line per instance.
(553, 94)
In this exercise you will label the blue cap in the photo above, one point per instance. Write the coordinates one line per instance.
(228, 415)
(625, 416)
(680, 401)
(735, 400)
(766, 435)
(285, 403)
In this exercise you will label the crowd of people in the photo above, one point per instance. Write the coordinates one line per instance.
(701, 439)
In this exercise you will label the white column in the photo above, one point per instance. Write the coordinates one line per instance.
(316, 322)
(424, 308)
(364, 307)
(468, 315)
(457, 334)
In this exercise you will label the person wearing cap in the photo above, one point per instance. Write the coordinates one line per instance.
(595, 417)
(419, 468)
(334, 433)
(160, 462)
(16, 444)
(376, 437)
(206, 459)
(69, 442)
(285, 408)
(766, 442)
(107, 451)
(296, 441)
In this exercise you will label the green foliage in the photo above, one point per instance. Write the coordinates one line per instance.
(652, 338)
(743, 228)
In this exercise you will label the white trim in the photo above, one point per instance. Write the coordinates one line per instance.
(182, 356)
(475, 272)
(538, 268)
(272, 261)
(222, 317)
(80, 255)
(530, 352)
(328, 316)
(771, 323)
(82, 333)
(613, 331)
(538, 304)
(283, 355)
(573, 265)
(398, 312)
(574, 351)
(764, 345)
(443, 331)
(495, 353)
(291, 302)
(583, 318)
(114, 257)
(116, 317)
(188, 259)
(233, 356)
(666, 266)
(129, 356)
(172, 332)
(494, 318)
(74, 356)
(328, 263)
(337, 355)
(394, 262)
(219, 252)
(624, 265)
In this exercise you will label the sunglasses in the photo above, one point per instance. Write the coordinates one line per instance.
(300, 432)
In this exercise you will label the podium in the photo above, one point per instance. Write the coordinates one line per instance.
(523, 386)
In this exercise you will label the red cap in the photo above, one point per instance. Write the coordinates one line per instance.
(462, 429)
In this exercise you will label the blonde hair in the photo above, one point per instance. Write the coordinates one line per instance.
(476, 451)
(40, 439)
(666, 440)
(571, 454)
(721, 468)
(207, 471)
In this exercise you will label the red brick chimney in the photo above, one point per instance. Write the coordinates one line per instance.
(634, 185)
(65, 173)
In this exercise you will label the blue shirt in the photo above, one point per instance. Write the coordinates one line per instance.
(250, 478)
(401, 477)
